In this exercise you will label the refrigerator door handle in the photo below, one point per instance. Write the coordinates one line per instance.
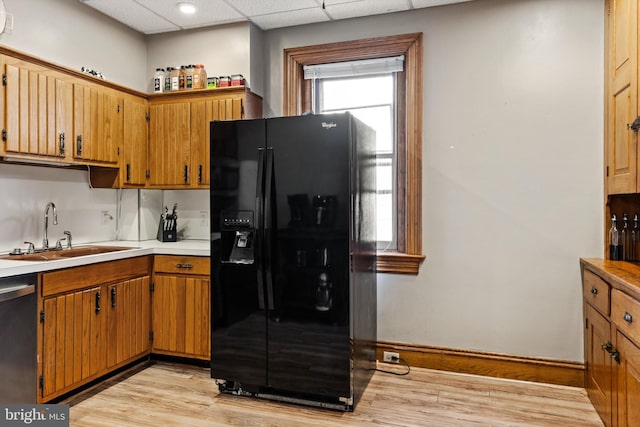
(269, 224)
(259, 238)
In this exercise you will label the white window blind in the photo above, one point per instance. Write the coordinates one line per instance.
(354, 68)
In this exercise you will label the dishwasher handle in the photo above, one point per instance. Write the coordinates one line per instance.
(16, 292)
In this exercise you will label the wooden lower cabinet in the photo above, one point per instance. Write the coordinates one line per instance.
(93, 320)
(73, 340)
(128, 320)
(181, 307)
(598, 381)
(628, 382)
(612, 348)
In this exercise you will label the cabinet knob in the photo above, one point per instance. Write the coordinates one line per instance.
(608, 346)
(594, 291)
(627, 317)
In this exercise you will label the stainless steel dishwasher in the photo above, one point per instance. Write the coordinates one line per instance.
(18, 323)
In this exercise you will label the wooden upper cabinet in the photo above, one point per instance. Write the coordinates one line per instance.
(135, 147)
(38, 110)
(98, 124)
(179, 132)
(169, 144)
(622, 97)
(202, 113)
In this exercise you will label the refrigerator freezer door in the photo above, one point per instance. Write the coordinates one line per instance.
(238, 321)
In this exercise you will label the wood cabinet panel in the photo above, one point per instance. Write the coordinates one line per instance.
(622, 96)
(598, 363)
(596, 292)
(98, 124)
(179, 132)
(129, 311)
(169, 135)
(628, 383)
(74, 278)
(135, 152)
(181, 264)
(38, 106)
(73, 333)
(625, 313)
(181, 316)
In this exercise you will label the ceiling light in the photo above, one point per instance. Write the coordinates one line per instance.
(187, 8)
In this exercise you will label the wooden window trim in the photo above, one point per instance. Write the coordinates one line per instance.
(297, 99)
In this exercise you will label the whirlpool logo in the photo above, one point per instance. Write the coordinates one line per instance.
(329, 125)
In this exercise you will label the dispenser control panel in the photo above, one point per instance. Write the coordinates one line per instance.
(237, 219)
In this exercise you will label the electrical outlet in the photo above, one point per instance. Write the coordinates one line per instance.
(204, 218)
(391, 357)
(105, 217)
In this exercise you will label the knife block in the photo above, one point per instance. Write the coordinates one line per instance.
(168, 228)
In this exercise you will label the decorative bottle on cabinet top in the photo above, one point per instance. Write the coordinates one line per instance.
(625, 238)
(615, 247)
(635, 240)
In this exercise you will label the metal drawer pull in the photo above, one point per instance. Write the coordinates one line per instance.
(184, 266)
(627, 317)
(594, 291)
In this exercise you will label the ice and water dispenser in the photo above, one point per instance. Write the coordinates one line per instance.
(237, 237)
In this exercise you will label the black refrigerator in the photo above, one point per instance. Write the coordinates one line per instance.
(293, 301)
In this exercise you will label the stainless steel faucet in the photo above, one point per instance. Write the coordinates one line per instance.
(45, 241)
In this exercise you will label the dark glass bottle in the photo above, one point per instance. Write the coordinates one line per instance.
(635, 239)
(615, 247)
(625, 238)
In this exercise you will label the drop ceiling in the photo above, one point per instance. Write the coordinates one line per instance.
(160, 16)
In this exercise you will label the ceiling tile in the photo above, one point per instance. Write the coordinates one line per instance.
(133, 15)
(262, 7)
(208, 12)
(428, 3)
(365, 8)
(287, 19)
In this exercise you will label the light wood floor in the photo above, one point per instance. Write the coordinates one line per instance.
(166, 394)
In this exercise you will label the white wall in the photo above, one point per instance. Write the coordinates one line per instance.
(68, 33)
(223, 50)
(512, 172)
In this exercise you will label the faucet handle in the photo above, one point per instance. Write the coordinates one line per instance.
(31, 249)
(59, 243)
(68, 234)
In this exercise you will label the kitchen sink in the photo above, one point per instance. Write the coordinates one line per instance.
(65, 253)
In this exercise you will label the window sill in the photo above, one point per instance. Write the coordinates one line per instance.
(400, 263)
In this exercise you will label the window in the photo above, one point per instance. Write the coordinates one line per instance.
(405, 160)
(372, 99)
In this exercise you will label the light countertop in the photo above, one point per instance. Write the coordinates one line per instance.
(138, 248)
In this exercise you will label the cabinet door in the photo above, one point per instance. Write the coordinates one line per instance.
(73, 340)
(622, 96)
(169, 144)
(98, 124)
(38, 106)
(628, 382)
(128, 323)
(599, 374)
(228, 108)
(134, 165)
(181, 316)
(202, 113)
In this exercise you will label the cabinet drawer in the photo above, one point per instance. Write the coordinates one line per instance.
(596, 292)
(181, 265)
(625, 313)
